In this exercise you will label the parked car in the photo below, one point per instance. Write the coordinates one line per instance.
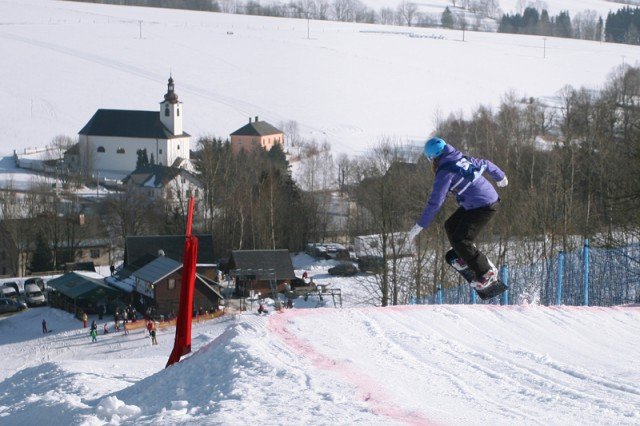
(13, 285)
(8, 292)
(35, 280)
(33, 295)
(344, 269)
(10, 305)
(372, 264)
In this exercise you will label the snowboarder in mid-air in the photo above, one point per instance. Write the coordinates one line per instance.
(477, 200)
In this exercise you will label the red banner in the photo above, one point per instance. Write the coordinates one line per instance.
(182, 345)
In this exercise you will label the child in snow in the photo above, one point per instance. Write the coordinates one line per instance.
(153, 336)
(477, 200)
(94, 335)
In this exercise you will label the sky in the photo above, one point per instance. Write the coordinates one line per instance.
(405, 365)
(351, 85)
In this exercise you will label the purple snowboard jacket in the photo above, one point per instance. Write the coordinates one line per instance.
(472, 191)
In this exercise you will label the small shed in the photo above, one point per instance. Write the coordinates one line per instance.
(264, 271)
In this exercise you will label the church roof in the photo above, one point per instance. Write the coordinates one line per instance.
(127, 123)
(257, 128)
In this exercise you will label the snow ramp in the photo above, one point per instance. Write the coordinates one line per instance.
(445, 364)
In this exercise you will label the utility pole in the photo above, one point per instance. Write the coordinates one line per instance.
(544, 48)
(140, 24)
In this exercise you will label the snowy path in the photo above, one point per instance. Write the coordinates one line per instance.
(421, 365)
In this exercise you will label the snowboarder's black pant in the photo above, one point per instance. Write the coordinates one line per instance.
(462, 227)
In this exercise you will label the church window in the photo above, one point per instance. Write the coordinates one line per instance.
(120, 150)
(101, 149)
(160, 150)
(166, 111)
(178, 147)
(178, 111)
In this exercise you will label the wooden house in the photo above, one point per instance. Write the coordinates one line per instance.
(261, 271)
(158, 285)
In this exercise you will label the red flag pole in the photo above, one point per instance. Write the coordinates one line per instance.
(182, 344)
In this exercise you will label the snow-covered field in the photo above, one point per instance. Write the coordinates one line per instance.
(446, 364)
(421, 365)
(348, 84)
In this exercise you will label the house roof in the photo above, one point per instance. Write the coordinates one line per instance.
(79, 285)
(260, 262)
(256, 128)
(171, 245)
(157, 269)
(127, 123)
(207, 285)
(156, 176)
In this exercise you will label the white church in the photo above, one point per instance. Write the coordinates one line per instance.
(110, 141)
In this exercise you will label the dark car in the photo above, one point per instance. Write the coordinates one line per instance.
(10, 305)
(372, 264)
(344, 269)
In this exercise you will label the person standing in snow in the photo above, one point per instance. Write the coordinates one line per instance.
(85, 318)
(154, 341)
(477, 200)
(94, 335)
(44, 326)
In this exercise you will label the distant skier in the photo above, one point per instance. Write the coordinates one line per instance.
(44, 326)
(152, 333)
(475, 196)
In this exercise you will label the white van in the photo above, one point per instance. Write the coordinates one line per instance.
(33, 295)
(8, 292)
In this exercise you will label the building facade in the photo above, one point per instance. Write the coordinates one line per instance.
(111, 140)
(255, 135)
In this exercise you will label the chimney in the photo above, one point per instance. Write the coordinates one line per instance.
(249, 120)
(256, 118)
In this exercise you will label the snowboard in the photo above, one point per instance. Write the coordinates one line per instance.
(495, 289)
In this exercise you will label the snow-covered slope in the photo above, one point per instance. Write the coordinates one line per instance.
(349, 84)
(403, 365)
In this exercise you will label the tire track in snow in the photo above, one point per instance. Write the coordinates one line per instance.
(370, 390)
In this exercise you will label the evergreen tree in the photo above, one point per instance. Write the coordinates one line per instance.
(447, 18)
(42, 259)
(563, 25)
(530, 20)
(143, 159)
(599, 30)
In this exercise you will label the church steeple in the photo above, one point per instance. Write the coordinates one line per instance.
(171, 96)
(171, 110)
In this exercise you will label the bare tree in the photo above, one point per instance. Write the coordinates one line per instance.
(407, 11)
